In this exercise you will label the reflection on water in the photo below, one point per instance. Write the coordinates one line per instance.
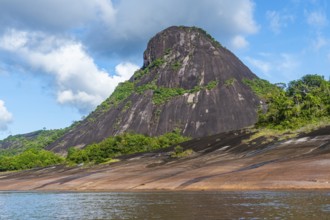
(165, 205)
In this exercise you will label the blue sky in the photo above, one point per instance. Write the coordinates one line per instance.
(60, 59)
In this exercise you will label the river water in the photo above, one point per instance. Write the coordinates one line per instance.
(165, 205)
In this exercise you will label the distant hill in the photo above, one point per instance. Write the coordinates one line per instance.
(16, 144)
(188, 82)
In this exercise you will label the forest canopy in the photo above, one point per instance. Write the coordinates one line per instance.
(301, 102)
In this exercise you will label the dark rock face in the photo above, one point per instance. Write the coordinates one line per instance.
(201, 80)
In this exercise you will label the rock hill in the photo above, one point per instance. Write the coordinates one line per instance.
(188, 82)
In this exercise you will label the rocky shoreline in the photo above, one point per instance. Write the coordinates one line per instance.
(228, 161)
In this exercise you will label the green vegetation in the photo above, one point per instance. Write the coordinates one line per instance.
(270, 134)
(150, 86)
(122, 92)
(267, 135)
(27, 151)
(30, 158)
(127, 106)
(230, 82)
(176, 66)
(122, 145)
(300, 107)
(157, 62)
(196, 89)
(140, 73)
(179, 152)
(214, 41)
(304, 101)
(211, 85)
(263, 88)
(37, 140)
(167, 51)
(163, 94)
(102, 152)
(125, 89)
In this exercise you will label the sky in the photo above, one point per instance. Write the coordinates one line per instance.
(60, 59)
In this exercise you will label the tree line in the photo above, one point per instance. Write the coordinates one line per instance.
(291, 106)
(96, 153)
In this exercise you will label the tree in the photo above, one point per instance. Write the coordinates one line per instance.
(304, 100)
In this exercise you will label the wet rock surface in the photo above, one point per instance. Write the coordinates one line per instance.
(227, 161)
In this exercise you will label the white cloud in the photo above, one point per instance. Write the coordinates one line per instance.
(124, 26)
(126, 69)
(5, 116)
(261, 65)
(287, 64)
(319, 42)
(278, 20)
(106, 11)
(54, 15)
(274, 19)
(78, 80)
(276, 66)
(316, 19)
(136, 21)
(239, 42)
(54, 36)
(13, 40)
(243, 16)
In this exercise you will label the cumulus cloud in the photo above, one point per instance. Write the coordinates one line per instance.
(126, 69)
(5, 116)
(137, 21)
(78, 80)
(59, 38)
(122, 26)
(13, 40)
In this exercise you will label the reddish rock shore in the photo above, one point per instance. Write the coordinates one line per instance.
(221, 162)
